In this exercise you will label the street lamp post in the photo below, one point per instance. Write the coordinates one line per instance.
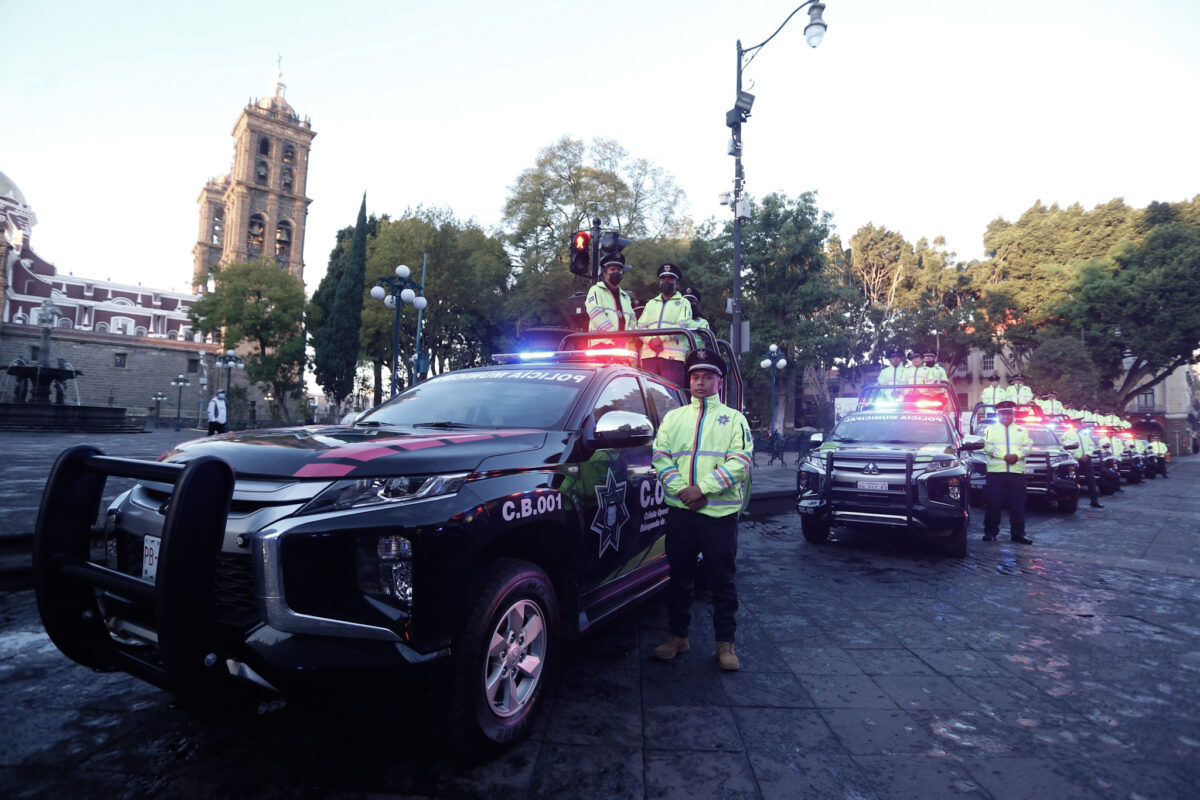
(158, 397)
(180, 382)
(395, 292)
(813, 33)
(774, 361)
(228, 360)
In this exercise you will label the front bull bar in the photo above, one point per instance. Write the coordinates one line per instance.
(182, 596)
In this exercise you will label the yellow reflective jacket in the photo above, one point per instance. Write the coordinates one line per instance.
(1001, 440)
(674, 312)
(1019, 393)
(603, 314)
(706, 444)
(991, 395)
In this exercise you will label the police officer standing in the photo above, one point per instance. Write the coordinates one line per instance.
(664, 355)
(1159, 448)
(935, 372)
(1006, 445)
(993, 394)
(702, 455)
(218, 414)
(1050, 405)
(609, 307)
(894, 373)
(697, 322)
(916, 370)
(1084, 456)
(1018, 392)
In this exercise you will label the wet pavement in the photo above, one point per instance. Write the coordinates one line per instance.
(871, 668)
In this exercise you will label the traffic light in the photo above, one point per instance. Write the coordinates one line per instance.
(611, 243)
(581, 253)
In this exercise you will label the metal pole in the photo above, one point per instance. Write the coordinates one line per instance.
(772, 396)
(735, 333)
(395, 334)
(179, 407)
(420, 311)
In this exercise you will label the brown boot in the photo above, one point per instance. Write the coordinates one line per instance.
(726, 658)
(673, 646)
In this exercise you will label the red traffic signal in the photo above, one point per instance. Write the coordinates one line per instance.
(581, 253)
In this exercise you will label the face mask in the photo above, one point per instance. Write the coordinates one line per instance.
(667, 287)
(615, 277)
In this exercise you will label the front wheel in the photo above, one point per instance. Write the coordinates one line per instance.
(507, 645)
(1067, 505)
(956, 545)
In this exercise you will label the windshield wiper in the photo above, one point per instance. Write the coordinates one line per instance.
(374, 423)
(447, 424)
(843, 439)
(894, 441)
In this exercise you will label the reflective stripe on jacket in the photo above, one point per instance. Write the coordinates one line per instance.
(673, 313)
(992, 395)
(1001, 440)
(707, 444)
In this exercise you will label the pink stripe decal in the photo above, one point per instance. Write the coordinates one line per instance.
(359, 454)
(323, 471)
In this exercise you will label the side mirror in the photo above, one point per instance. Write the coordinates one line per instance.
(622, 429)
(817, 438)
(972, 443)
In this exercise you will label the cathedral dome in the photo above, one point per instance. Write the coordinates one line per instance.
(9, 190)
(275, 103)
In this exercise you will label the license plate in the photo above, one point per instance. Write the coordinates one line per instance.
(873, 486)
(150, 548)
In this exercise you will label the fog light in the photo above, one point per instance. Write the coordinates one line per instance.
(954, 490)
(391, 548)
(400, 581)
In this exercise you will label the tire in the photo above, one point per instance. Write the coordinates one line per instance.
(1067, 505)
(815, 532)
(976, 498)
(956, 544)
(503, 657)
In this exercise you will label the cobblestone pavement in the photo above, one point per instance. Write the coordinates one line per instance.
(872, 668)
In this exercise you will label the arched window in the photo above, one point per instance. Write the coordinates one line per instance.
(102, 327)
(256, 231)
(64, 323)
(218, 225)
(287, 180)
(139, 331)
(283, 242)
(172, 335)
(261, 173)
(264, 146)
(289, 153)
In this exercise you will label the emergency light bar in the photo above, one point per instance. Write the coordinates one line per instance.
(606, 354)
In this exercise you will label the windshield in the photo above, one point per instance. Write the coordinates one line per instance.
(893, 429)
(499, 398)
(1043, 437)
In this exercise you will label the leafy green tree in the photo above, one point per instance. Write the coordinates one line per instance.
(336, 344)
(1063, 364)
(570, 183)
(258, 309)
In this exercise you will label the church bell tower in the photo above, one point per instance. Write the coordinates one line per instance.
(258, 209)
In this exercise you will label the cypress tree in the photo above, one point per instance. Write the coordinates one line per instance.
(340, 332)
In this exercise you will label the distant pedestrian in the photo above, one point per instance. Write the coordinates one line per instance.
(774, 448)
(1006, 445)
(702, 456)
(218, 414)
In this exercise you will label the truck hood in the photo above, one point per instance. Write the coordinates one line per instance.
(343, 451)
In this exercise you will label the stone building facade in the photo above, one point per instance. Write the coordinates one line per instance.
(258, 209)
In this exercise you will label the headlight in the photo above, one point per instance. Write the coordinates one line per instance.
(817, 461)
(939, 464)
(1058, 458)
(377, 491)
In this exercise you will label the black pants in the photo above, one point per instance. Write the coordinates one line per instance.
(668, 368)
(1005, 490)
(216, 427)
(1089, 476)
(689, 534)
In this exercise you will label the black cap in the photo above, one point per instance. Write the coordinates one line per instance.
(895, 351)
(931, 355)
(1049, 394)
(614, 258)
(994, 378)
(1006, 405)
(692, 293)
(670, 271)
(1017, 377)
(704, 359)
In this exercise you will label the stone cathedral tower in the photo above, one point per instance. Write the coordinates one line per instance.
(257, 210)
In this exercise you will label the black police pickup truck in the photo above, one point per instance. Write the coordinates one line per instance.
(468, 524)
(898, 462)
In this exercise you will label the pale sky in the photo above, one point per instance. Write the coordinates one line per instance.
(930, 118)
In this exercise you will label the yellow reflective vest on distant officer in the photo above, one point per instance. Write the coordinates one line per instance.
(603, 314)
(671, 313)
(937, 374)
(991, 395)
(1001, 440)
(706, 444)
(1158, 448)
(1051, 406)
(1019, 393)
